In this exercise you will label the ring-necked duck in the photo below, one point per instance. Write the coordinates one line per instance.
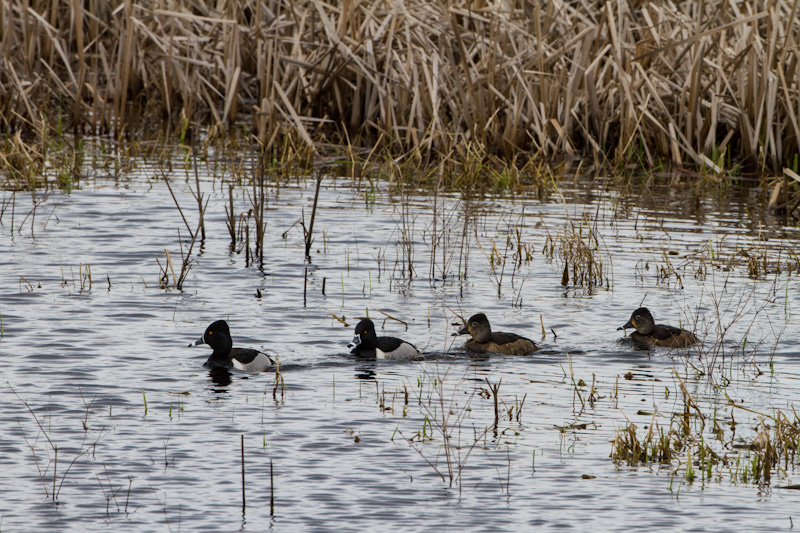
(483, 340)
(367, 344)
(218, 336)
(647, 332)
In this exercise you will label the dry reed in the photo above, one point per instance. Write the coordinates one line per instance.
(705, 84)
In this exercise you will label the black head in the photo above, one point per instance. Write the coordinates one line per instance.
(365, 337)
(218, 336)
(642, 321)
(478, 327)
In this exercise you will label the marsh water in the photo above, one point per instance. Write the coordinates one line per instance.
(109, 419)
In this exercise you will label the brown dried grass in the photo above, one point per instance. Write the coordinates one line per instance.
(707, 84)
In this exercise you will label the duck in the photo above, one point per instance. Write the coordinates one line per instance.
(652, 334)
(366, 343)
(218, 336)
(483, 340)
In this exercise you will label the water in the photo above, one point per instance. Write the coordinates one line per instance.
(147, 439)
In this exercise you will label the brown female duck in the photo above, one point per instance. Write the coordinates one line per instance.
(652, 334)
(483, 340)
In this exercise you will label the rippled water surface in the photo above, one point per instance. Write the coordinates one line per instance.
(104, 403)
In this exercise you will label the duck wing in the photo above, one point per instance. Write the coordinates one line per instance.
(394, 348)
(250, 359)
(501, 338)
(390, 344)
(511, 344)
(665, 333)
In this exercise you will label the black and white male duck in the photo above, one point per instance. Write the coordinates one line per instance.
(366, 343)
(218, 336)
(651, 334)
(484, 340)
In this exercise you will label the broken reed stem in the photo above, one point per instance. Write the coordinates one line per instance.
(310, 231)
(279, 381)
(198, 196)
(258, 201)
(201, 206)
(186, 259)
(174, 199)
(495, 393)
(520, 406)
(230, 216)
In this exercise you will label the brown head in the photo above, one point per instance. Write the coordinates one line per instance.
(642, 321)
(478, 327)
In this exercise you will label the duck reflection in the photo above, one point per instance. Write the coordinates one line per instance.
(221, 377)
(366, 372)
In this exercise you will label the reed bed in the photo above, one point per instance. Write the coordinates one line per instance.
(699, 446)
(710, 85)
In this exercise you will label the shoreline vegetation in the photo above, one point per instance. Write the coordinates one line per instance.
(707, 88)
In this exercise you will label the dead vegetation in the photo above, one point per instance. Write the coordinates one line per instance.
(705, 445)
(706, 84)
(756, 258)
(581, 252)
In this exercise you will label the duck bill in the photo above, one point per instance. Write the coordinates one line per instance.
(355, 342)
(462, 331)
(198, 342)
(628, 325)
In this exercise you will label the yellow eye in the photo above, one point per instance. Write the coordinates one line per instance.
(210, 332)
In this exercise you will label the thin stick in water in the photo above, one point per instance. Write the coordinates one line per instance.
(271, 491)
(244, 501)
(55, 467)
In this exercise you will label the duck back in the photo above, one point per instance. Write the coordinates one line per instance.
(666, 336)
(504, 343)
